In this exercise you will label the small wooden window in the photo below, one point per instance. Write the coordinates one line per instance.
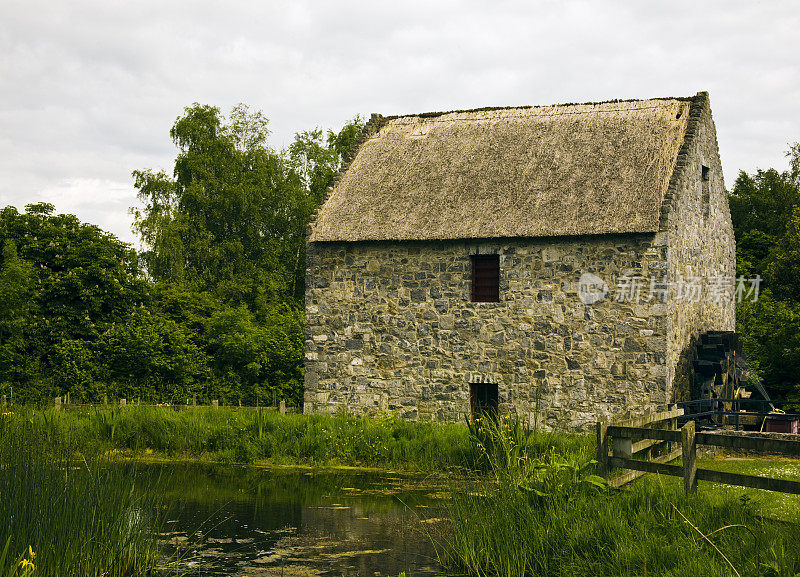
(486, 278)
(483, 399)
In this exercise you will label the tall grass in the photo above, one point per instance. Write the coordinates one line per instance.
(246, 436)
(67, 516)
(541, 512)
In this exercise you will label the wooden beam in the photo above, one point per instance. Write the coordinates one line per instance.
(753, 481)
(650, 418)
(689, 452)
(640, 433)
(646, 466)
(644, 444)
(631, 475)
(784, 443)
(602, 450)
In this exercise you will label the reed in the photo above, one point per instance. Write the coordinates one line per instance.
(65, 515)
(541, 512)
(229, 434)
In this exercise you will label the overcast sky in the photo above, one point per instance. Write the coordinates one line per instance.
(89, 90)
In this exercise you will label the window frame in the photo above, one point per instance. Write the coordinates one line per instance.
(485, 278)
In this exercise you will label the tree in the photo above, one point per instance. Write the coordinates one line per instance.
(783, 269)
(770, 330)
(232, 217)
(153, 357)
(16, 283)
(761, 208)
(765, 210)
(63, 283)
(227, 220)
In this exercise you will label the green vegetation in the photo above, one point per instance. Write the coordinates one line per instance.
(63, 515)
(525, 503)
(211, 308)
(545, 513)
(765, 209)
(246, 436)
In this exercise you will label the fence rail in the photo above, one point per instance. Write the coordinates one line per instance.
(736, 412)
(281, 406)
(642, 435)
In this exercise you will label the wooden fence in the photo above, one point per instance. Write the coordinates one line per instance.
(738, 413)
(658, 433)
(281, 406)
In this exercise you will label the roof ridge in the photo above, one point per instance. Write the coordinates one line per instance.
(532, 107)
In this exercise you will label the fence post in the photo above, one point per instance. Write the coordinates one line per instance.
(215, 403)
(58, 403)
(673, 425)
(689, 452)
(602, 449)
(282, 407)
(123, 402)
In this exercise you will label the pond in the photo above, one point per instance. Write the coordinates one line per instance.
(233, 520)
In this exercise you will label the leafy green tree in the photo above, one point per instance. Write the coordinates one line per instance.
(761, 207)
(765, 210)
(227, 219)
(783, 268)
(770, 330)
(231, 219)
(154, 358)
(78, 370)
(65, 282)
(16, 284)
(225, 238)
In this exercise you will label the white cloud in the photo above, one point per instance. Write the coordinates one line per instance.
(89, 90)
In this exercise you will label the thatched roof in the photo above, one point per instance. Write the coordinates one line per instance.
(572, 169)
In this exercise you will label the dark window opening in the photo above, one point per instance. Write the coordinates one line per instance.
(483, 399)
(486, 278)
(705, 174)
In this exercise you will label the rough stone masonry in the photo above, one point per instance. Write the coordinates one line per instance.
(390, 325)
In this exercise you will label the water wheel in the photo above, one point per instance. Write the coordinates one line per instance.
(718, 368)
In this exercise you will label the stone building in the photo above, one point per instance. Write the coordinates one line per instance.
(556, 262)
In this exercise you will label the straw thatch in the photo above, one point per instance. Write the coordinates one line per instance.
(512, 172)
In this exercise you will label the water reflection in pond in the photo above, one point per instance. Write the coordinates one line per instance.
(249, 521)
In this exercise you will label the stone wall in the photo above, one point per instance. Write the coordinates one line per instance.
(701, 248)
(391, 327)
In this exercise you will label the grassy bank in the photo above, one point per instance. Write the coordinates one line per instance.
(544, 513)
(248, 436)
(531, 507)
(62, 515)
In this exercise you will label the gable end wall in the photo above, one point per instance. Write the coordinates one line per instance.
(701, 249)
